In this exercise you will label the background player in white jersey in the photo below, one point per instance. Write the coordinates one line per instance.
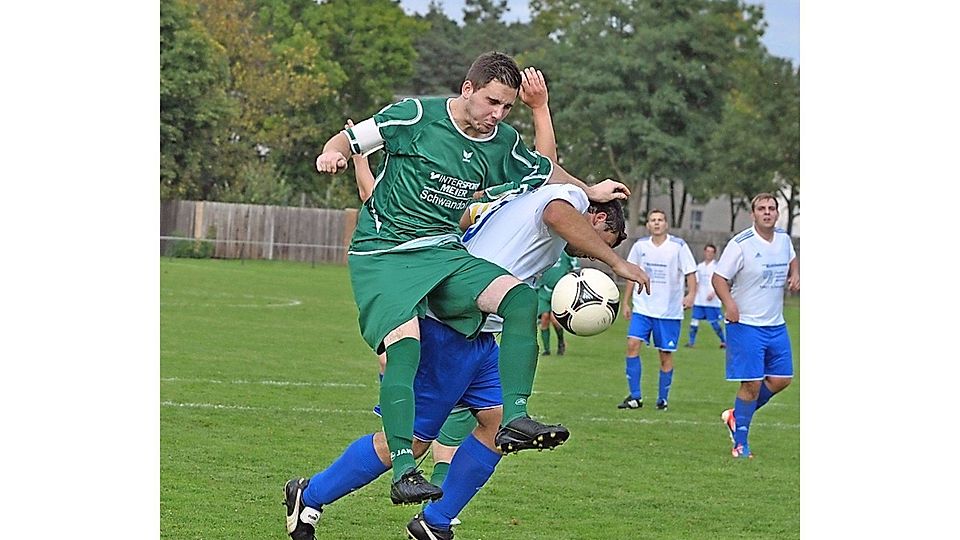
(669, 265)
(405, 250)
(706, 306)
(749, 279)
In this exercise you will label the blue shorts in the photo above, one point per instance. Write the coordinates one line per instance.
(755, 352)
(706, 313)
(666, 332)
(453, 371)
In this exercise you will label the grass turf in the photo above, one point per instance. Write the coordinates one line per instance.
(264, 376)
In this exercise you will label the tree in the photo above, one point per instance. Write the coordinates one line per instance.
(756, 147)
(194, 107)
(442, 60)
(367, 51)
(640, 85)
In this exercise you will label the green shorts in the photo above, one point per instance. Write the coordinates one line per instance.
(544, 294)
(392, 287)
(457, 427)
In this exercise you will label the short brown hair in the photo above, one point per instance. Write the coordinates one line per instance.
(763, 197)
(494, 66)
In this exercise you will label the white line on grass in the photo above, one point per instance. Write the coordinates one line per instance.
(662, 420)
(779, 425)
(266, 383)
(220, 406)
(260, 301)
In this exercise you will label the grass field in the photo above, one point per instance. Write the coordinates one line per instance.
(264, 377)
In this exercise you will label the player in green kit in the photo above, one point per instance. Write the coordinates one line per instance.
(406, 254)
(565, 264)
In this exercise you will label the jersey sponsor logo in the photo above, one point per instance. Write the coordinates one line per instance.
(467, 156)
(450, 191)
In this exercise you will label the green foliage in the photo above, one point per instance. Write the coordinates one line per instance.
(640, 90)
(258, 183)
(192, 249)
(756, 148)
(238, 75)
(639, 86)
(263, 376)
(194, 107)
(442, 59)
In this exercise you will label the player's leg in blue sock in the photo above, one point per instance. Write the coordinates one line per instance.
(718, 330)
(634, 370)
(765, 395)
(666, 379)
(694, 326)
(743, 413)
(356, 467)
(470, 469)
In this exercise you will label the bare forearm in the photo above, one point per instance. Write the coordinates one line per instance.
(546, 141)
(364, 177)
(338, 143)
(722, 289)
(561, 176)
(570, 225)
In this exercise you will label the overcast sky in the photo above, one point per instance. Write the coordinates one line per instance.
(782, 37)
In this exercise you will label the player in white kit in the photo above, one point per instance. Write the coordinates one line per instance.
(749, 279)
(670, 265)
(706, 306)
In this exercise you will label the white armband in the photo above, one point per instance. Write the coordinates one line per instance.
(364, 137)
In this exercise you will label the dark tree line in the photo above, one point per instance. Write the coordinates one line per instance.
(676, 95)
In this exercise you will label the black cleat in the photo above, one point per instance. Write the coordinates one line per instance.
(525, 433)
(301, 520)
(419, 529)
(546, 352)
(661, 404)
(631, 403)
(413, 488)
(561, 348)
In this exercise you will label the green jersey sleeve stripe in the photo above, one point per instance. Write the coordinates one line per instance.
(400, 122)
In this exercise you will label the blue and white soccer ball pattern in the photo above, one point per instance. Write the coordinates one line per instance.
(585, 302)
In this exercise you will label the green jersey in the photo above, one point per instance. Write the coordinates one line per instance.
(431, 171)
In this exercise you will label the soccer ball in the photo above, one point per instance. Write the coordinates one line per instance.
(585, 302)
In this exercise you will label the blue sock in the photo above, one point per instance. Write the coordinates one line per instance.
(718, 330)
(743, 413)
(666, 379)
(355, 468)
(633, 376)
(470, 469)
(765, 395)
(693, 334)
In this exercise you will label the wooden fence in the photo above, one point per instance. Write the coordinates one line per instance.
(250, 231)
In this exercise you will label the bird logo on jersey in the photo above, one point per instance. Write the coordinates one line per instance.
(467, 156)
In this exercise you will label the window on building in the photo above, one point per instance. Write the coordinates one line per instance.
(696, 219)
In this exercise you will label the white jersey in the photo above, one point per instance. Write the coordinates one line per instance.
(667, 266)
(705, 285)
(511, 234)
(757, 271)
